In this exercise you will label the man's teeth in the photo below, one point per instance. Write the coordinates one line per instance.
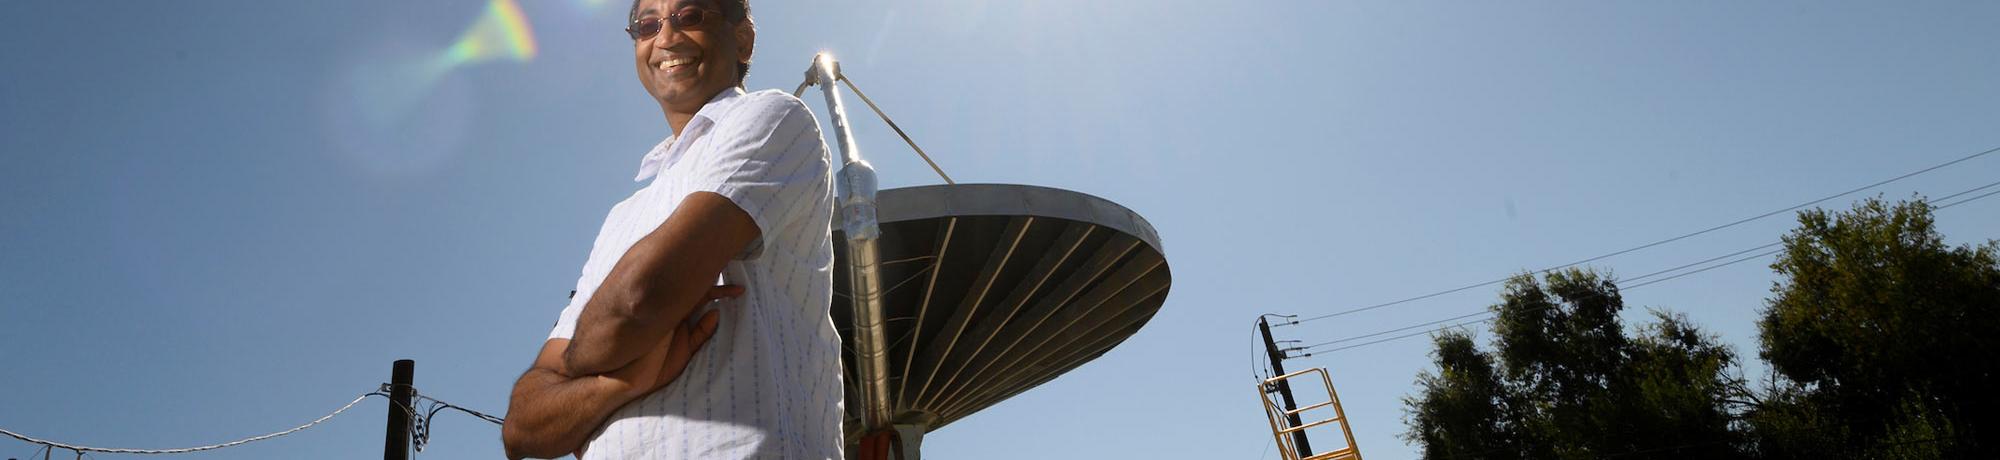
(677, 62)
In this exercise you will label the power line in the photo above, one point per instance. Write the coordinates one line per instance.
(1655, 243)
(1634, 286)
(1648, 275)
(421, 420)
(441, 405)
(419, 428)
(1256, 373)
(1956, 195)
(1489, 314)
(1400, 329)
(1982, 195)
(38, 451)
(1636, 278)
(1260, 367)
(183, 450)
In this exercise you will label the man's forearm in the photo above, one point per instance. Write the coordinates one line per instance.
(608, 332)
(551, 414)
(659, 281)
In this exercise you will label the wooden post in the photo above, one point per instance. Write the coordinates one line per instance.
(1284, 387)
(396, 443)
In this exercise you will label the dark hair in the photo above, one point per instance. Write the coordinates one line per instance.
(734, 11)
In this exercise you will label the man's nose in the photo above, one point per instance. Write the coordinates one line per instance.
(661, 40)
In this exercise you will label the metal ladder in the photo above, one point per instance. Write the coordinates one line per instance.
(1281, 419)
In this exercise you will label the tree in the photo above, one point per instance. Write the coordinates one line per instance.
(1464, 410)
(1566, 381)
(1882, 338)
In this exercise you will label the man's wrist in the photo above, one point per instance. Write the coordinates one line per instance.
(621, 390)
(570, 361)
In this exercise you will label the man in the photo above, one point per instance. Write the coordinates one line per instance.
(651, 359)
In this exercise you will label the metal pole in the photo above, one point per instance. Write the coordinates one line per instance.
(1284, 387)
(857, 212)
(396, 443)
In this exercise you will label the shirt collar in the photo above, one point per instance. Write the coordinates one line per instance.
(657, 158)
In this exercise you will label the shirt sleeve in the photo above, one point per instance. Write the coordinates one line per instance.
(771, 162)
(588, 278)
(565, 327)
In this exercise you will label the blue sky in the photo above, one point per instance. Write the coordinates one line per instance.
(214, 223)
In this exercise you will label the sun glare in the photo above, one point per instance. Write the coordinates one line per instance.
(501, 33)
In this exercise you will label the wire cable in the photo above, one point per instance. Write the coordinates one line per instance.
(1660, 242)
(1974, 189)
(421, 419)
(899, 284)
(1255, 374)
(1634, 286)
(1982, 195)
(1260, 367)
(812, 78)
(81, 449)
(1455, 318)
(419, 426)
(38, 451)
(445, 405)
(892, 125)
(1489, 313)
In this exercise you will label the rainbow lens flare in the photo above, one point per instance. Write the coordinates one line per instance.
(501, 33)
(397, 109)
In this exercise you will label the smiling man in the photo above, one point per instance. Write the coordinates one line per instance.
(651, 359)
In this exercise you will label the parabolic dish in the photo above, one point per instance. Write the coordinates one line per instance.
(993, 289)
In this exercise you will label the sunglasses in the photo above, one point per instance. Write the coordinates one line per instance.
(689, 18)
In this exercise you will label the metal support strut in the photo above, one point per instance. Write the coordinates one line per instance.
(856, 199)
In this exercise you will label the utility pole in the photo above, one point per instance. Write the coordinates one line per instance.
(1284, 387)
(396, 444)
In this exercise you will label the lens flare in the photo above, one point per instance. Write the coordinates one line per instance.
(403, 109)
(391, 114)
(391, 86)
(501, 33)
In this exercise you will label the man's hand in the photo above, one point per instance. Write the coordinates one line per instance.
(658, 282)
(552, 411)
(668, 359)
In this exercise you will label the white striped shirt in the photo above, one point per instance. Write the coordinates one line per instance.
(767, 385)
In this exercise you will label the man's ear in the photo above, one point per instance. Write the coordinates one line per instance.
(746, 38)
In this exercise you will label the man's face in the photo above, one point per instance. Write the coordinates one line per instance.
(683, 69)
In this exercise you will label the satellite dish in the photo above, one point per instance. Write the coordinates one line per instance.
(992, 289)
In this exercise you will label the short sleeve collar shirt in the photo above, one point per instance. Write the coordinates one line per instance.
(767, 385)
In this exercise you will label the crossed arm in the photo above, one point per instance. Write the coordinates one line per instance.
(634, 335)
(551, 412)
(657, 282)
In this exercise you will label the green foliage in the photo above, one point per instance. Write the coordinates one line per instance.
(1464, 410)
(1566, 381)
(1883, 339)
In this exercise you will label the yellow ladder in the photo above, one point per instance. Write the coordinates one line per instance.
(1281, 426)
